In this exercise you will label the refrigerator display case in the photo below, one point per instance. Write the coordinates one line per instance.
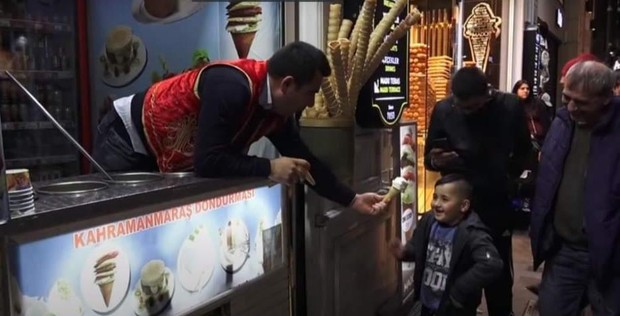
(406, 154)
(38, 44)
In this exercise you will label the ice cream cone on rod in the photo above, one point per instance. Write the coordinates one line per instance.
(398, 185)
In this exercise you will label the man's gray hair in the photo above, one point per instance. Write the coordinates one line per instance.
(591, 77)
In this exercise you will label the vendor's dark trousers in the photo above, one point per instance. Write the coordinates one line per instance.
(498, 295)
(568, 286)
(112, 150)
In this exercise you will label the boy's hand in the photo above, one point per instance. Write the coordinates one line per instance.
(397, 249)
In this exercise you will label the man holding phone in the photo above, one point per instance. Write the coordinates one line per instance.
(482, 133)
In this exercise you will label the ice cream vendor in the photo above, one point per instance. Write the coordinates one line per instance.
(205, 120)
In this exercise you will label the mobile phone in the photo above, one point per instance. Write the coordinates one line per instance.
(441, 143)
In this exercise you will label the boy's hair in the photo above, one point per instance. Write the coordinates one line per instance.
(463, 185)
(299, 60)
(469, 82)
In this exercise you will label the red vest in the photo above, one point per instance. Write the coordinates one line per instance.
(170, 115)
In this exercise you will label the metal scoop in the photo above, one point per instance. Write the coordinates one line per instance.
(62, 130)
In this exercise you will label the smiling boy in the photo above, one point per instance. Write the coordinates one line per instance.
(454, 254)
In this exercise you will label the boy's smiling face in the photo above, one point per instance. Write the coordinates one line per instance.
(449, 203)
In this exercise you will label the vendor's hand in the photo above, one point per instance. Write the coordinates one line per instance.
(288, 170)
(441, 158)
(368, 203)
(397, 249)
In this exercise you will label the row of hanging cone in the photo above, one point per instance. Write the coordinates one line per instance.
(355, 51)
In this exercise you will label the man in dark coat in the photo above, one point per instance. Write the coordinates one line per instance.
(575, 223)
(482, 133)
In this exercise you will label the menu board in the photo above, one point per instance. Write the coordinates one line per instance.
(168, 262)
(384, 96)
(408, 198)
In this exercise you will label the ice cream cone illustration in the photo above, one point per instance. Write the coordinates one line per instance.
(106, 291)
(480, 28)
(398, 185)
(243, 19)
(105, 269)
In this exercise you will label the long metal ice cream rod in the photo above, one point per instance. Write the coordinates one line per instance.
(62, 130)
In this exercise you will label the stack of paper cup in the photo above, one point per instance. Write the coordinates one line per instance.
(21, 193)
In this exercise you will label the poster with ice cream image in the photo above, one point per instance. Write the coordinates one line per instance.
(408, 209)
(134, 43)
(167, 262)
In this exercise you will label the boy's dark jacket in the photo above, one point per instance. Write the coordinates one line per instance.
(474, 264)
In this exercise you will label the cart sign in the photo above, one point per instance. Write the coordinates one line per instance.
(384, 96)
(167, 262)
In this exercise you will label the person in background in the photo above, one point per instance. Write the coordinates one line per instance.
(481, 133)
(453, 251)
(575, 222)
(617, 86)
(538, 120)
(205, 119)
(574, 61)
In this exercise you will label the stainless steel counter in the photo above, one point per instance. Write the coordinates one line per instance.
(53, 210)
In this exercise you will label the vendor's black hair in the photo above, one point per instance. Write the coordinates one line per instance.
(468, 83)
(299, 60)
(464, 186)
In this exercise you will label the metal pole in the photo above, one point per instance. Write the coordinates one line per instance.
(62, 130)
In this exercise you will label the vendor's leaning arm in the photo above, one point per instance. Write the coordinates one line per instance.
(206, 119)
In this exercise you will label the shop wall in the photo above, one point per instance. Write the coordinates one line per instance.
(547, 10)
(192, 27)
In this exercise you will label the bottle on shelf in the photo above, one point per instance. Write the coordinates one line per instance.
(5, 108)
(40, 53)
(65, 62)
(14, 105)
(24, 111)
(56, 63)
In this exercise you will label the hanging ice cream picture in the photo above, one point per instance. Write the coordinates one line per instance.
(242, 24)
(480, 29)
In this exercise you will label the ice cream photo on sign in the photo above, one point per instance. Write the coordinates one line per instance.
(105, 279)
(155, 288)
(242, 24)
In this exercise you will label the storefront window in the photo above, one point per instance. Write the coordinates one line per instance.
(432, 48)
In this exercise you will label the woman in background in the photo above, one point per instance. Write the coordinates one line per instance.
(538, 120)
(538, 123)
